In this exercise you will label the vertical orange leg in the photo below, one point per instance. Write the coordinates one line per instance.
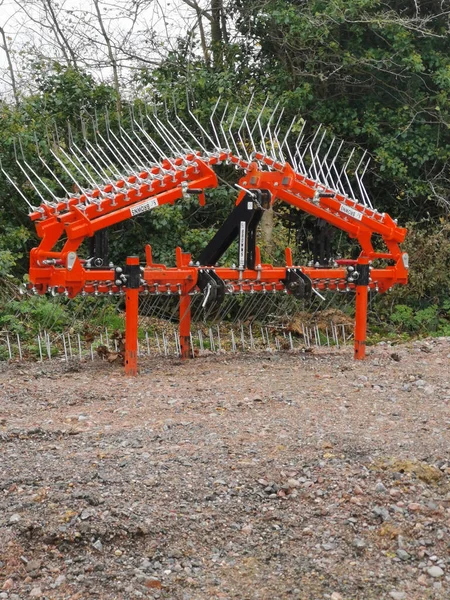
(131, 316)
(361, 321)
(185, 326)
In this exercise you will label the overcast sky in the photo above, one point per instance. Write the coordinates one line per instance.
(21, 22)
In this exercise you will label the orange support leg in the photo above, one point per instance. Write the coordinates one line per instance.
(132, 316)
(185, 326)
(362, 293)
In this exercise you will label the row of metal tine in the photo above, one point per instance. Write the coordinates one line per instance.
(109, 159)
(66, 346)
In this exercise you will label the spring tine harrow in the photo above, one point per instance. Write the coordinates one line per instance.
(121, 171)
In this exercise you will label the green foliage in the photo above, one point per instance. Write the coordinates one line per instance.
(32, 315)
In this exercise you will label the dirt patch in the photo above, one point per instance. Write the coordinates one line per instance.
(291, 475)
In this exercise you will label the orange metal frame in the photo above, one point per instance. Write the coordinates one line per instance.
(72, 221)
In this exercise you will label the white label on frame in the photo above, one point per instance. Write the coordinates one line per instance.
(351, 212)
(144, 207)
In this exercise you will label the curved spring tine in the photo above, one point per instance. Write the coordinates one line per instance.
(324, 162)
(137, 151)
(222, 129)
(69, 173)
(366, 195)
(276, 131)
(30, 206)
(211, 120)
(173, 144)
(284, 142)
(80, 156)
(185, 147)
(103, 157)
(163, 154)
(268, 130)
(132, 166)
(44, 201)
(147, 136)
(108, 144)
(344, 171)
(100, 152)
(85, 175)
(238, 154)
(316, 158)
(47, 167)
(186, 128)
(36, 175)
(198, 122)
(309, 146)
(241, 126)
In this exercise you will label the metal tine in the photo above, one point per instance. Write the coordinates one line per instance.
(279, 144)
(240, 129)
(284, 142)
(48, 168)
(198, 122)
(83, 175)
(346, 175)
(363, 186)
(309, 146)
(152, 142)
(164, 155)
(275, 134)
(69, 173)
(34, 172)
(263, 141)
(330, 167)
(297, 145)
(133, 122)
(339, 183)
(138, 150)
(95, 156)
(238, 152)
(74, 149)
(105, 159)
(316, 156)
(221, 127)
(155, 161)
(136, 160)
(102, 173)
(44, 201)
(19, 191)
(256, 125)
(186, 128)
(183, 143)
(183, 124)
(84, 171)
(268, 130)
(123, 148)
(366, 199)
(211, 120)
(245, 121)
(174, 144)
(109, 143)
(363, 200)
(324, 162)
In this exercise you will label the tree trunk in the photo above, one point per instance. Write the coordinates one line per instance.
(111, 56)
(216, 33)
(267, 231)
(61, 38)
(10, 66)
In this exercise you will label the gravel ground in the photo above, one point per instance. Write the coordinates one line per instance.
(305, 476)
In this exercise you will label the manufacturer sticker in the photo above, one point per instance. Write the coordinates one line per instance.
(144, 207)
(351, 212)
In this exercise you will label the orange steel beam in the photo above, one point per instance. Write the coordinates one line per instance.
(131, 321)
(73, 220)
